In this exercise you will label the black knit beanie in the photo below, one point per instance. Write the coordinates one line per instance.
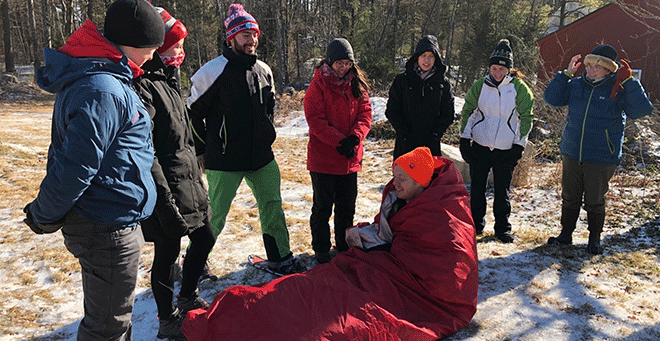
(339, 49)
(134, 23)
(502, 55)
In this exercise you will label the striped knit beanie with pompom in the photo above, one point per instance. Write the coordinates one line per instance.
(238, 19)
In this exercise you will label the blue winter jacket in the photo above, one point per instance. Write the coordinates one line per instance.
(100, 156)
(594, 124)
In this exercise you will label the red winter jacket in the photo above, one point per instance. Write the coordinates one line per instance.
(333, 114)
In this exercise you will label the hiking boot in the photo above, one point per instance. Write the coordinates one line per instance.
(207, 274)
(596, 220)
(287, 267)
(323, 257)
(560, 241)
(170, 327)
(595, 249)
(505, 237)
(569, 218)
(479, 229)
(186, 304)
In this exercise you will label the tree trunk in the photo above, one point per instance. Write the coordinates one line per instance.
(46, 17)
(437, 21)
(6, 28)
(68, 17)
(450, 35)
(280, 48)
(344, 19)
(36, 44)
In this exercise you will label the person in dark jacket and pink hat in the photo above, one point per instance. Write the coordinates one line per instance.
(338, 113)
(599, 101)
(182, 207)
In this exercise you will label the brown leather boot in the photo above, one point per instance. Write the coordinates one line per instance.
(569, 217)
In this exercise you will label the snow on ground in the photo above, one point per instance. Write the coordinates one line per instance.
(528, 291)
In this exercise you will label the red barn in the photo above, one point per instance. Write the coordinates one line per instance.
(630, 26)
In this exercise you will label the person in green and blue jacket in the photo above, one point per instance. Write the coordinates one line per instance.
(495, 121)
(599, 101)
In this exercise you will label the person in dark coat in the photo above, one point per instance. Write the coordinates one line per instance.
(338, 114)
(182, 207)
(599, 101)
(421, 105)
(98, 185)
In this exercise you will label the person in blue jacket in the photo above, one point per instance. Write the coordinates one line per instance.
(98, 184)
(599, 101)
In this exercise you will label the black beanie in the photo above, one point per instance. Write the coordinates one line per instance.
(502, 55)
(605, 50)
(339, 49)
(134, 23)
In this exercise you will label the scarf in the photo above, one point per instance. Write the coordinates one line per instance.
(330, 76)
(173, 60)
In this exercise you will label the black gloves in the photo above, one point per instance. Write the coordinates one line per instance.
(40, 228)
(466, 150)
(514, 154)
(347, 146)
(171, 221)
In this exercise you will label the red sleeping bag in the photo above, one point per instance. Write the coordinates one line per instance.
(425, 288)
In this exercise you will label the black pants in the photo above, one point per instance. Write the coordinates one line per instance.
(485, 159)
(166, 251)
(337, 190)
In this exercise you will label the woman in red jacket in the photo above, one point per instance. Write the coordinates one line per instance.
(338, 113)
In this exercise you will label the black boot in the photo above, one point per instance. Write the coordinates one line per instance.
(569, 217)
(596, 222)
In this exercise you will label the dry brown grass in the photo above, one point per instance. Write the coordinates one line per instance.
(24, 136)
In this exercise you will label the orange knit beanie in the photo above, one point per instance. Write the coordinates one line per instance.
(419, 164)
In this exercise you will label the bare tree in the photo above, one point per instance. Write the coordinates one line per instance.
(36, 44)
(46, 18)
(6, 28)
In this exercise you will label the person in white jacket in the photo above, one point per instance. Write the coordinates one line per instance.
(495, 121)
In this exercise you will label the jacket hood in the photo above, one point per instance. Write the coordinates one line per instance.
(427, 43)
(85, 53)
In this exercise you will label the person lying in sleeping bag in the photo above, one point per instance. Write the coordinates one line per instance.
(418, 283)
